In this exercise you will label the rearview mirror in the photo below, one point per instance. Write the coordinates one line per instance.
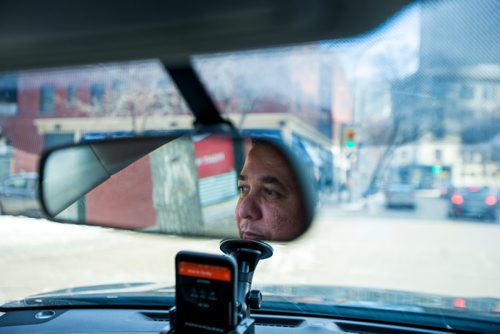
(206, 185)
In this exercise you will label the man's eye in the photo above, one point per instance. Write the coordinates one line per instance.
(243, 189)
(271, 193)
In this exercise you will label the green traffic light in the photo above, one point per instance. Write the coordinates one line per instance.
(436, 169)
(350, 144)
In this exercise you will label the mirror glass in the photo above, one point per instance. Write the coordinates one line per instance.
(204, 185)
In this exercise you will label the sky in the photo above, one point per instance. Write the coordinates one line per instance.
(391, 50)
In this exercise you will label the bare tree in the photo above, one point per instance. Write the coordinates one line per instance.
(407, 124)
(136, 91)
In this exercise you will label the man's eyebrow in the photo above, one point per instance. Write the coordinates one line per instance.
(265, 179)
(272, 180)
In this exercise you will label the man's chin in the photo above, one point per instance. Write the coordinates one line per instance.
(252, 236)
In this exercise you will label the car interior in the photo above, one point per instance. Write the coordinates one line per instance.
(177, 184)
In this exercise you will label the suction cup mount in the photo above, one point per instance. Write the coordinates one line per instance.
(247, 253)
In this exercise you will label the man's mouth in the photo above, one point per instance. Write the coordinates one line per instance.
(252, 236)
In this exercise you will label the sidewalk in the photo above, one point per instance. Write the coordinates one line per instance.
(373, 203)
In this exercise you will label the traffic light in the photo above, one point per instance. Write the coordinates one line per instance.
(436, 169)
(350, 141)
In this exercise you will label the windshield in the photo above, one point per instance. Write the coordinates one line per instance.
(397, 126)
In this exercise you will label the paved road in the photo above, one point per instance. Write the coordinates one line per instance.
(418, 250)
(361, 245)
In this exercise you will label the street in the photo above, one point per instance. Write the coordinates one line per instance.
(427, 208)
(350, 244)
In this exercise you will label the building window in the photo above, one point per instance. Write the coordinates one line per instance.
(57, 139)
(438, 155)
(8, 95)
(47, 93)
(72, 95)
(489, 93)
(97, 95)
(467, 92)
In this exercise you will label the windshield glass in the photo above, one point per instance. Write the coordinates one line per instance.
(399, 128)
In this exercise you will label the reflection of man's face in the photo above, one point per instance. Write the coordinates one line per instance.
(269, 207)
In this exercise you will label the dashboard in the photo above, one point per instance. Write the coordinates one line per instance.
(127, 321)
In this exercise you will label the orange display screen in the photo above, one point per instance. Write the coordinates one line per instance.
(206, 271)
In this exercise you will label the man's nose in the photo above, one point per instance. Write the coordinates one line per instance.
(249, 208)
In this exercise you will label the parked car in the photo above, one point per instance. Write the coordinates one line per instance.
(474, 202)
(400, 196)
(19, 195)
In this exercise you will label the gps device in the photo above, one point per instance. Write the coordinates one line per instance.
(205, 293)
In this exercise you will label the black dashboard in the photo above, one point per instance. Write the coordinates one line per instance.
(117, 320)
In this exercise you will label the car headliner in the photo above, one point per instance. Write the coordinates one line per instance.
(41, 34)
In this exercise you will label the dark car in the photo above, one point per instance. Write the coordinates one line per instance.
(474, 202)
(18, 195)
